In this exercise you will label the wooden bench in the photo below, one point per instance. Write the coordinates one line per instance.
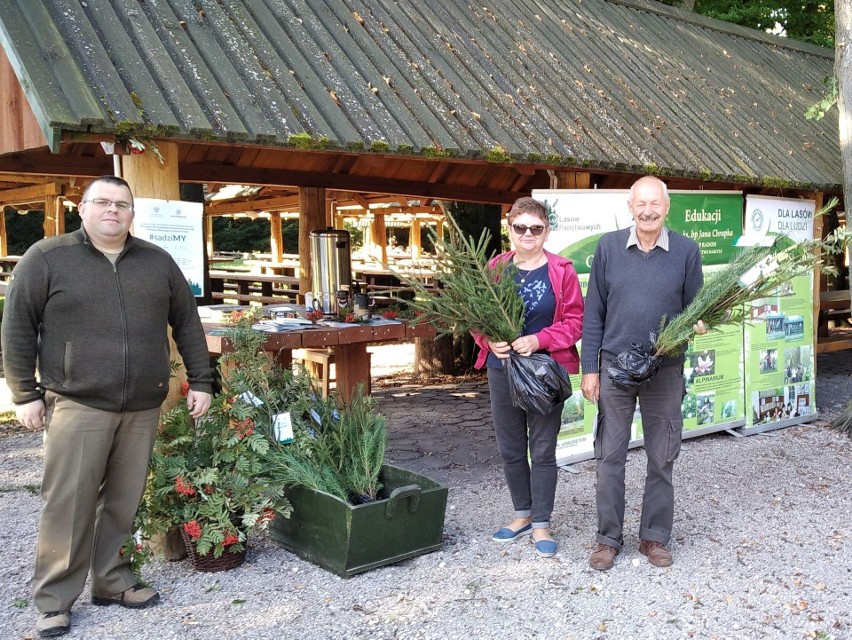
(833, 306)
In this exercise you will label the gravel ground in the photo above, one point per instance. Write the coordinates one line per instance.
(762, 545)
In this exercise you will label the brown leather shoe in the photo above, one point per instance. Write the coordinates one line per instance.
(657, 554)
(603, 557)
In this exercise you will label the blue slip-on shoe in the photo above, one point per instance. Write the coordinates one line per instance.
(545, 548)
(507, 535)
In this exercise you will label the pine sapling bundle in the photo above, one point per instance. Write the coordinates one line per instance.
(473, 296)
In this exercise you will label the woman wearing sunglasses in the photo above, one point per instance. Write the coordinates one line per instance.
(553, 320)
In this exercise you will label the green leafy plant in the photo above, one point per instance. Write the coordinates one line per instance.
(224, 476)
(338, 448)
(213, 477)
(843, 422)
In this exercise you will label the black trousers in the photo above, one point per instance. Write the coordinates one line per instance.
(531, 480)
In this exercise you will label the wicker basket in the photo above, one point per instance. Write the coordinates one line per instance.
(210, 563)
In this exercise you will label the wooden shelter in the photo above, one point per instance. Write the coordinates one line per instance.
(345, 100)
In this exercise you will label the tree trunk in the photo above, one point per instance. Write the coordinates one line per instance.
(843, 69)
(434, 355)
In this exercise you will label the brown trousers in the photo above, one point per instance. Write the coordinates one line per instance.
(95, 467)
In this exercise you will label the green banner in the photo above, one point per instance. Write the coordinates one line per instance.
(712, 218)
(779, 358)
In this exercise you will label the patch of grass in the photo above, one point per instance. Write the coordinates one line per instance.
(8, 417)
(32, 489)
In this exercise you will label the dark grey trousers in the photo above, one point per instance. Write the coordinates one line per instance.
(662, 423)
(531, 481)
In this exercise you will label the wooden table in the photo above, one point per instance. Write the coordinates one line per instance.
(378, 280)
(349, 344)
(834, 300)
(837, 305)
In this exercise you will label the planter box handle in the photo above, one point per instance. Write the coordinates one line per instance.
(410, 491)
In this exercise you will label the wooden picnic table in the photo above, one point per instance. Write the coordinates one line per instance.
(7, 265)
(349, 343)
(378, 279)
(252, 287)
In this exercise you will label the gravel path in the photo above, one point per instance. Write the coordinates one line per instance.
(762, 547)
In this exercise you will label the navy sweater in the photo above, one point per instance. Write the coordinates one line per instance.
(630, 291)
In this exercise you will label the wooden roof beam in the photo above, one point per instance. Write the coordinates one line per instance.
(29, 195)
(264, 204)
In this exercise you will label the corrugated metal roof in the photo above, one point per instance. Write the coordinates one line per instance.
(617, 85)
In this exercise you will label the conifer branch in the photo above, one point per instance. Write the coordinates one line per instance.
(473, 296)
(756, 272)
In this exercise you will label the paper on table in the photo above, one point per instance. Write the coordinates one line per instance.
(283, 324)
(217, 311)
(381, 321)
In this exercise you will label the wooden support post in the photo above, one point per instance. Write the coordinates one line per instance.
(569, 179)
(276, 241)
(60, 215)
(414, 244)
(149, 178)
(208, 232)
(4, 245)
(52, 211)
(311, 218)
(819, 279)
(379, 235)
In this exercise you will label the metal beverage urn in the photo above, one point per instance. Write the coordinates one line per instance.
(331, 268)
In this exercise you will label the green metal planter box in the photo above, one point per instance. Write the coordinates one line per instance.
(407, 521)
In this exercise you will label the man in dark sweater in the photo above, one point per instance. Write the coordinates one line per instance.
(638, 276)
(86, 356)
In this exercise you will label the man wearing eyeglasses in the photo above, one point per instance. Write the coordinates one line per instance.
(639, 275)
(86, 356)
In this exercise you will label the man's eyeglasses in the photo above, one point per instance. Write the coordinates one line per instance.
(103, 203)
(521, 229)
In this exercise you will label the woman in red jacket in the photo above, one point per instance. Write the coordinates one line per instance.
(553, 320)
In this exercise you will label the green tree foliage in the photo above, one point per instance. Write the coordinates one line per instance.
(801, 20)
(243, 234)
(24, 230)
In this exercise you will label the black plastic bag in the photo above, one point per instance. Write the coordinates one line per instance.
(537, 383)
(635, 365)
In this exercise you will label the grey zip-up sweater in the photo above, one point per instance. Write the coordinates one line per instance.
(630, 291)
(98, 332)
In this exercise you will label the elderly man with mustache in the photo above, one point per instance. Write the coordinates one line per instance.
(639, 275)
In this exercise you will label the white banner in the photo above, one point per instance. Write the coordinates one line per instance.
(579, 217)
(768, 215)
(177, 227)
